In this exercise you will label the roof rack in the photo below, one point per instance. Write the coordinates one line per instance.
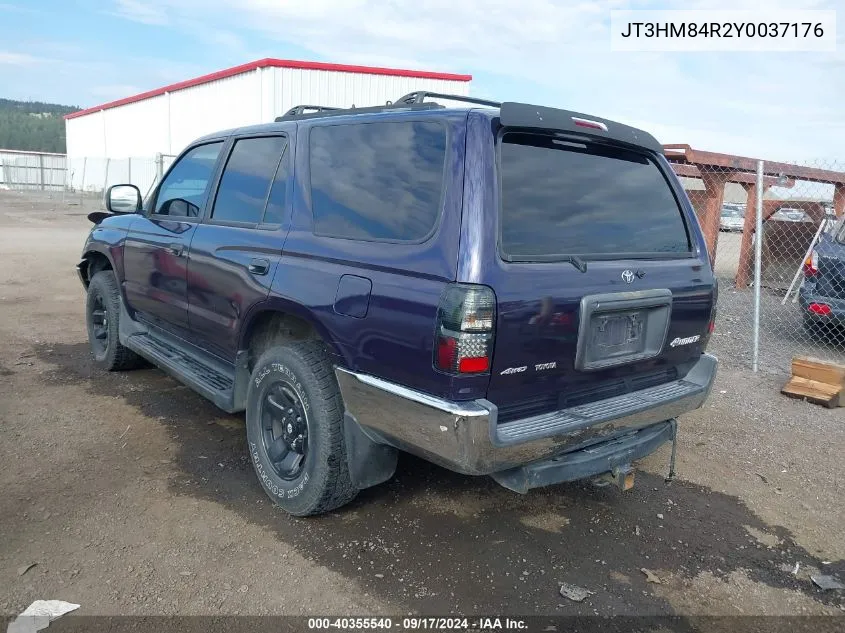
(305, 109)
(418, 97)
(300, 112)
(411, 101)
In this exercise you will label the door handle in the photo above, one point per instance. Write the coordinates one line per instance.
(259, 266)
(176, 248)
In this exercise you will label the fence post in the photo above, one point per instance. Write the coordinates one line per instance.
(106, 178)
(758, 254)
(129, 169)
(41, 169)
(82, 182)
(159, 166)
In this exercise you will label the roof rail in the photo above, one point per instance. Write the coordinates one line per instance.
(305, 109)
(414, 98)
(311, 111)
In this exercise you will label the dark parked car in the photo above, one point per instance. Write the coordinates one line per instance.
(502, 289)
(822, 295)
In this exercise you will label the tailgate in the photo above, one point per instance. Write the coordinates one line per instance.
(600, 289)
(556, 349)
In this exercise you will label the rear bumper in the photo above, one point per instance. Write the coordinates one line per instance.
(595, 459)
(465, 436)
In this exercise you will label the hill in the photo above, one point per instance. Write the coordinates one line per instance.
(33, 125)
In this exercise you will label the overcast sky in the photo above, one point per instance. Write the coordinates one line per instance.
(785, 106)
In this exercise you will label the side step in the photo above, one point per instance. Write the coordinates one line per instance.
(207, 376)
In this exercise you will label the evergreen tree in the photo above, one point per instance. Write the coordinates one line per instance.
(33, 126)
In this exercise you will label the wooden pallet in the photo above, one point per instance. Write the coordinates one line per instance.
(817, 381)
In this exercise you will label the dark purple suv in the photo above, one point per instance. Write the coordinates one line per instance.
(503, 289)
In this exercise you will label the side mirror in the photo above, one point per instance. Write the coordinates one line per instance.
(123, 199)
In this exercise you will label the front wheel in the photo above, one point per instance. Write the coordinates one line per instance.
(102, 318)
(294, 424)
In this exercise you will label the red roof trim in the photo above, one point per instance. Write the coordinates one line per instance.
(271, 63)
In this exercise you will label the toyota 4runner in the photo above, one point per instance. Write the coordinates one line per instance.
(502, 289)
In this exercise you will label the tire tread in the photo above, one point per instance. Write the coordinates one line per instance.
(327, 404)
(118, 357)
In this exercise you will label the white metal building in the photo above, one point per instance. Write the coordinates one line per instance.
(100, 140)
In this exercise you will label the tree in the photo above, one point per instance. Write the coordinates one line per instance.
(33, 126)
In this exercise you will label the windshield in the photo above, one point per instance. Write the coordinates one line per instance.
(563, 198)
(731, 213)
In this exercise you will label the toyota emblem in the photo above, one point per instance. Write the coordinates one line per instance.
(628, 276)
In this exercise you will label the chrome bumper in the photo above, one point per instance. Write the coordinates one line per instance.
(465, 436)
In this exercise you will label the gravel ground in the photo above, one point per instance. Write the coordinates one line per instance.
(133, 495)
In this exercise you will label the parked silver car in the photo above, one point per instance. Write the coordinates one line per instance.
(733, 218)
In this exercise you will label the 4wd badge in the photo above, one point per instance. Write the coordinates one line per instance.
(685, 341)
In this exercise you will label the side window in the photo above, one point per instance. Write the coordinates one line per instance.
(183, 190)
(247, 178)
(277, 203)
(377, 181)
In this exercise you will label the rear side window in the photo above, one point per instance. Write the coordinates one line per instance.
(562, 198)
(377, 181)
(246, 179)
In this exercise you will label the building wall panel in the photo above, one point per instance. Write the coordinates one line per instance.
(166, 121)
(207, 108)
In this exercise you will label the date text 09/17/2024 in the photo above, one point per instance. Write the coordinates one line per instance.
(419, 623)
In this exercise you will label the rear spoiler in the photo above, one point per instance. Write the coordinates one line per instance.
(523, 115)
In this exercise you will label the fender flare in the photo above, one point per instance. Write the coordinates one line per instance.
(287, 306)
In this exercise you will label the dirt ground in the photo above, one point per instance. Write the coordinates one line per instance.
(132, 495)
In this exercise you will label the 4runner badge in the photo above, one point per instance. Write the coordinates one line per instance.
(685, 341)
(514, 370)
(628, 276)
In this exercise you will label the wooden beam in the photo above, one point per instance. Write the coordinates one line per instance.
(749, 165)
(688, 170)
(749, 225)
(839, 200)
(711, 212)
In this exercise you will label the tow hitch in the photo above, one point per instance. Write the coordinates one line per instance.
(622, 477)
(604, 463)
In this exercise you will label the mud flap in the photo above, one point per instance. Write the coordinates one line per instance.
(369, 462)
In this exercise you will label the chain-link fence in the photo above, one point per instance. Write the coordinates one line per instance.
(27, 171)
(36, 171)
(94, 174)
(782, 295)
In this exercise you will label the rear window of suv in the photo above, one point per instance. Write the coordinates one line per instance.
(565, 198)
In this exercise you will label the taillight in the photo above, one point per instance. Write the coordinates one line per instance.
(811, 265)
(822, 309)
(711, 324)
(465, 326)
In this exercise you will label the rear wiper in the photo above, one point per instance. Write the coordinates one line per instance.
(575, 260)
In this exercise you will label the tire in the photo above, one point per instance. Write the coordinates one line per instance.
(102, 318)
(294, 427)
